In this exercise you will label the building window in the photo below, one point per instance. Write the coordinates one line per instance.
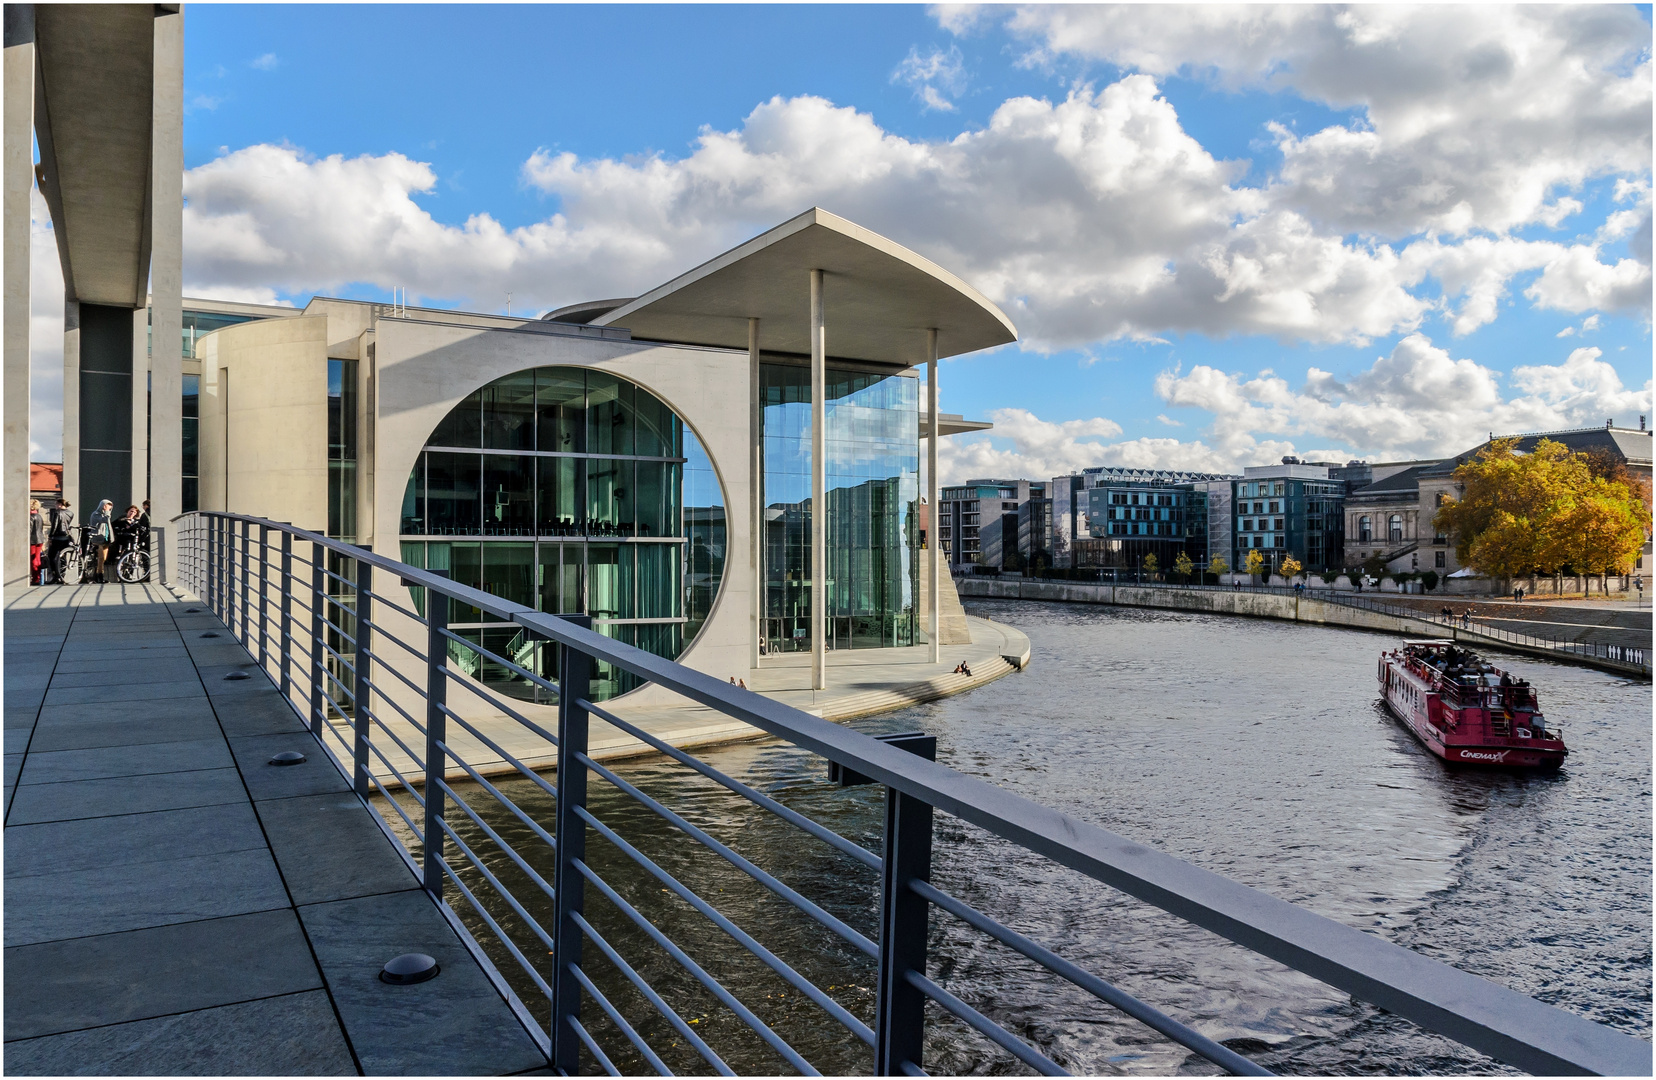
(1438, 560)
(610, 504)
(192, 444)
(1365, 529)
(1394, 529)
(342, 449)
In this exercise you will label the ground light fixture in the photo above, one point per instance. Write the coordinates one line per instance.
(288, 757)
(409, 968)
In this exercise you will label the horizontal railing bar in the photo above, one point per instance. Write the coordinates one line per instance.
(1215, 1052)
(726, 998)
(592, 1046)
(909, 1068)
(494, 927)
(793, 817)
(381, 632)
(346, 690)
(498, 702)
(985, 1026)
(395, 805)
(394, 606)
(404, 747)
(500, 797)
(338, 630)
(402, 712)
(534, 875)
(810, 908)
(775, 963)
(528, 773)
(656, 1000)
(619, 1021)
(500, 890)
(467, 643)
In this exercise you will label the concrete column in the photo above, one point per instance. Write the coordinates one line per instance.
(167, 285)
(933, 515)
(72, 409)
(819, 489)
(140, 406)
(19, 181)
(756, 489)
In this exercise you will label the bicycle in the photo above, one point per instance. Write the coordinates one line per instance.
(132, 559)
(69, 564)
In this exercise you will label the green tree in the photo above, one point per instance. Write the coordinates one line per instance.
(1429, 580)
(1254, 565)
(1183, 566)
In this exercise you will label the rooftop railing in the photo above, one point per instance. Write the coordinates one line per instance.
(321, 617)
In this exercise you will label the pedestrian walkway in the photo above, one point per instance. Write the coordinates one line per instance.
(176, 905)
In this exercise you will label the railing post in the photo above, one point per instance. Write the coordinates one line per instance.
(264, 594)
(568, 886)
(319, 656)
(361, 687)
(900, 1021)
(437, 608)
(284, 640)
(209, 553)
(241, 593)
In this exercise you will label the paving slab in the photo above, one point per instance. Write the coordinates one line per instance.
(90, 982)
(124, 795)
(316, 776)
(357, 860)
(121, 693)
(86, 732)
(121, 896)
(133, 760)
(272, 1037)
(120, 673)
(451, 1025)
(135, 660)
(62, 846)
(262, 714)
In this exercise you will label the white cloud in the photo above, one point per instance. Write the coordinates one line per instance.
(267, 62)
(1473, 117)
(935, 78)
(1169, 421)
(1416, 402)
(1023, 445)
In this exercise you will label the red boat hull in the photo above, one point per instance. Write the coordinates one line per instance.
(1467, 720)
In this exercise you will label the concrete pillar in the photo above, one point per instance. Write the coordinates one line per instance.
(756, 489)
(19, 181)
(71, 410)
(140, 406)
(167, 285)
(819, 489)
(934, 511)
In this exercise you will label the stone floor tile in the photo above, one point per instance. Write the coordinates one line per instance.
(453, 1025)
(112, 978)
(120, 693)
(261, 714)
(127, 896)
(124, 672)
(266, 781)
(139, 759)
(126, 659)
(291, 1035)
(99, 730)
(357, 860)
(32, 804)
(63, 846)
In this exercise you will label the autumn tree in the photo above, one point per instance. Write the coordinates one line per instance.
(1217, 565)
(1150, 565)
(1183, 566)
(1255, 563)
(1601, 532)
(1508, 499)
(1290, 566)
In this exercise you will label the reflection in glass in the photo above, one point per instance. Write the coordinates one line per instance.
(452, 493)
(509, 412)
(508, 495)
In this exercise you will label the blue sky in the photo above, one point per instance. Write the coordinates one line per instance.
(1282, 210)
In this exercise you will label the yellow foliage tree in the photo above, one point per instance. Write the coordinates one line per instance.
(1150, 564)
(1217, 565)
(1183, 566)
(1255, 563)
(1290, 566)
(1541, 511)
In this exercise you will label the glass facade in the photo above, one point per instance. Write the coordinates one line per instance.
(1302, 517)
(872, 481)
(572, 491)
(192, 443)
(342, 449)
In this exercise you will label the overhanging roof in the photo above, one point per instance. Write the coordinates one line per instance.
(952, 424)
(94, 96)
(879, 298)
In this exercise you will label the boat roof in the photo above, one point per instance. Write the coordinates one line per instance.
(1429, 641)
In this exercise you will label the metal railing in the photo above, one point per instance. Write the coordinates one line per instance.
(358, 692)
(1477, 624)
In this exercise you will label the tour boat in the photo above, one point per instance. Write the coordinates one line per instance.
(1467, 711)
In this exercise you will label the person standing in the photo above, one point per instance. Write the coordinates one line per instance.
(57, 537)
(144, 527)
(100, 534)
(37, 540)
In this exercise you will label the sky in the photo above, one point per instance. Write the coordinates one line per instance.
(1225, 234)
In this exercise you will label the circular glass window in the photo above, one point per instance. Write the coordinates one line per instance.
(572, 491)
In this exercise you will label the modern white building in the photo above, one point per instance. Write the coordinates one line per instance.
(654, 462)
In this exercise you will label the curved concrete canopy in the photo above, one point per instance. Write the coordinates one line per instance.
(879, 297)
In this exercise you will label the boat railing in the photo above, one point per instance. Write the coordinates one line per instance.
(584, 911)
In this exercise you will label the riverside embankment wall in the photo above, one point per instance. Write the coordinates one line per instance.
(1260, 605)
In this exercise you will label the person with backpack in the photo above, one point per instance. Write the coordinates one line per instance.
(100, 529)
(60, 522)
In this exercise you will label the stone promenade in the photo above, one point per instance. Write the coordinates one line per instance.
(176, 905)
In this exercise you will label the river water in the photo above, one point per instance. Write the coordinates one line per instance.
(1254, 749)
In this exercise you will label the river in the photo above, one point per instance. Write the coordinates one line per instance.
(1252, 748)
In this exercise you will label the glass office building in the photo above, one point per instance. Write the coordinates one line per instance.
(569, 490)
(872, 483)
